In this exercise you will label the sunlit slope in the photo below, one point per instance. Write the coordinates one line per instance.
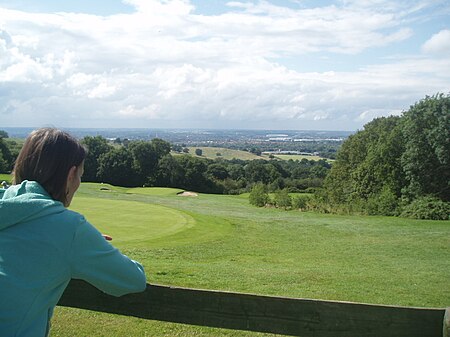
(144, 225)
(224, 153)
(158, 191)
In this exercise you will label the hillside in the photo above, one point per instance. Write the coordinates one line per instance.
(221, 242)
(228, 154)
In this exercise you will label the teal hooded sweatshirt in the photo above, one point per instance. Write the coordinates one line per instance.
(42, 246)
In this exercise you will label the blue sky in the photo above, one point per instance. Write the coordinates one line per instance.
(279, 64)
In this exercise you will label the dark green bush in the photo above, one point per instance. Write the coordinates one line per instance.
(258, 195)
(300, 202)
(384, 203)
(282, 199)
(430, 208)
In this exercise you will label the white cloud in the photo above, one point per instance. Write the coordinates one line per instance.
(164, 62)
(24, 68)
(438, 44)
(102, 90)
(368, 115)
(148, 112)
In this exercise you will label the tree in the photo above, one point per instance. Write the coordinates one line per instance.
(318, 171)
(256, 171)
(6, 157)
(96, 146)
(258, 195)
(177, 148)
(169, 172)
(236, 171)
(217, 171)
(198, 152)
(3, 134)
(300, 172)
(116, 167)
(255, 151)
(367, 162)
(3, 164)
(395, 160)
(145, 159)
(426, 159)
(161, 147)
(194, 176)
(283, 199)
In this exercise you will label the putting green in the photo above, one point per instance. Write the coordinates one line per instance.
(159, 191)
(138, 224)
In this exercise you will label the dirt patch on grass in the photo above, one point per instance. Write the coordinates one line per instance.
(187, 194)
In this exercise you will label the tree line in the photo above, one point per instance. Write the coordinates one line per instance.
(397, 165)
(9, 150)
(151, 163)
(154, 163)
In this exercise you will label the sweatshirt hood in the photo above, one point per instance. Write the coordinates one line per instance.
(24, 202)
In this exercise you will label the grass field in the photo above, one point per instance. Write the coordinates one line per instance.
(297, 157)
(228, 154)
(221, 242)
(5, 177)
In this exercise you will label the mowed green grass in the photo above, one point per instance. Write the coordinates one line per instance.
(223, 243)
(5, 177)
(142, 225)
(148, 223)
(158, 191)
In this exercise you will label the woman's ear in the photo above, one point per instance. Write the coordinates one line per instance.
(72, 173)
(71, 186)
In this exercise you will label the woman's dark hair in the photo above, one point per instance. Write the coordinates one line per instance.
(46, 157)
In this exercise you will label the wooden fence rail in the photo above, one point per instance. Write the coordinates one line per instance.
(287, 316)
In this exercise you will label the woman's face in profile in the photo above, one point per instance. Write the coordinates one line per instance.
(73, 182)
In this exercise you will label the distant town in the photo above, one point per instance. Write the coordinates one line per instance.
(289, 142)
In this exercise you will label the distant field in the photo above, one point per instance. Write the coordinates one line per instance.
(228, 154)
(297, 157)
(211, 153)
(221, 242)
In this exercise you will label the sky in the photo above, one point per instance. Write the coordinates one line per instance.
(275, 64)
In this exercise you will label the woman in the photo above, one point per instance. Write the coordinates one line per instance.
(43, 244)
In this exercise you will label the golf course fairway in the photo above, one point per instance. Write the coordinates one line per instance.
(147, 225)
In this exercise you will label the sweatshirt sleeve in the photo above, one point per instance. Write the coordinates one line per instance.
(96, 261)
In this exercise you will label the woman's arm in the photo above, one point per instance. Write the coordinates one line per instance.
(96, 261)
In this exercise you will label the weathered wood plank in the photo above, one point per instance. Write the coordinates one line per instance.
(446, 325)
(288, 316)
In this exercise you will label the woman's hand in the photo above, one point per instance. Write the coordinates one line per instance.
(107, 237)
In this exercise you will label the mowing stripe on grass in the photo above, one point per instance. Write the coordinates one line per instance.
(139, 224)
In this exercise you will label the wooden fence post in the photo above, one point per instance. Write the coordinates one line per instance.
(446, 327)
